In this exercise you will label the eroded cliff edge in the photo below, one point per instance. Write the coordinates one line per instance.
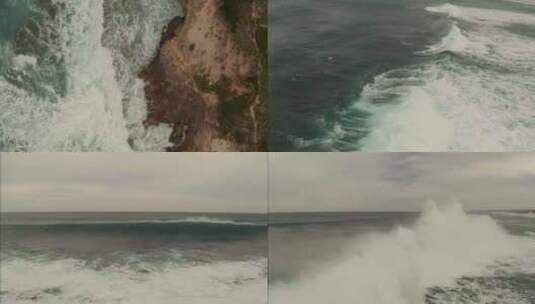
(209, 78)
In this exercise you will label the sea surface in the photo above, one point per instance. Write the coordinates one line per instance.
(69, 74)
(440, 256)
(133, 258)
(402, 75)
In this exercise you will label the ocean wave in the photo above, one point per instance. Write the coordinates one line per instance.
(454, 41)
(516, 214)
(482, 16)
(201, 220)
(209, 220)
(470, 91)
(200, 229)
(72, 281)
(473, 92)
(404, 265)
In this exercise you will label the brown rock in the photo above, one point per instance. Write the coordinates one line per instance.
(209, 78)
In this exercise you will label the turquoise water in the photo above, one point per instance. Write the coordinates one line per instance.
(13, 15)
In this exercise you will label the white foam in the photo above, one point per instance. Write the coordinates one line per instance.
(398, 267)
(458, 42)
(481, 100)
(104, 106)
(90, 115)
(407, 126)
(451, 10)
(21, 61)
(220, 282)
(23, 119)
(482, 16)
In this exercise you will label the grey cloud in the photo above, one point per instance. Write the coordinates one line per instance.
(205, 182)
(236, 182)
(400, 181)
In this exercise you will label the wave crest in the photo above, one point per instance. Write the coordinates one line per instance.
(472, 92)
(454, 41)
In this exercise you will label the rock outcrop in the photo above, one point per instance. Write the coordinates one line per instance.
(209, 77)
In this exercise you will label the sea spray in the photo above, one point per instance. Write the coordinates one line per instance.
(401, 265)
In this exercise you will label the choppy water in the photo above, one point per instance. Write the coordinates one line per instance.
(440, 256)
(133, 258)
(388, 75)
(68, 74)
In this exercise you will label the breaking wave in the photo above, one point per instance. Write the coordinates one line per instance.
(475, 92)
(446, 252)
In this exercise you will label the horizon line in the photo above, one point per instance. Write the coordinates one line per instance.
(262, 213)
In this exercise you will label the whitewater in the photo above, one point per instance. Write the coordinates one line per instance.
(138, 281)
(446, 256)
(473, 92)
(68, 80)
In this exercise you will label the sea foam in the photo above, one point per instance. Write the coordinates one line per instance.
(84, 93)
(473, 93)
(74, 281)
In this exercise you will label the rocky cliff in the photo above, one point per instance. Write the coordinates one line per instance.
(209, 78)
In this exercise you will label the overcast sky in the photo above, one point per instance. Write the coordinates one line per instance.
(204, 182)
(236, 182)
(400, 181)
